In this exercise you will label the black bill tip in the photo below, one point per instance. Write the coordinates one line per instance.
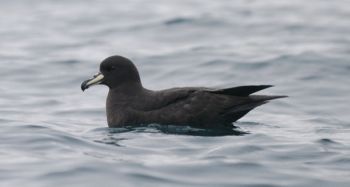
(84, 85)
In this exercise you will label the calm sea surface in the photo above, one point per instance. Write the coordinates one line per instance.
(52, 134)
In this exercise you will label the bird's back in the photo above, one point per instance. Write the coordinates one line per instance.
(190, 106)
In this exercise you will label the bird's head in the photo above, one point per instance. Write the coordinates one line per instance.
(114, 72)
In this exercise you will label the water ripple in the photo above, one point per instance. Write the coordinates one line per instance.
(51, 133)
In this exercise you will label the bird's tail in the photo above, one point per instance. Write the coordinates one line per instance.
(265, 97)
(238, 111)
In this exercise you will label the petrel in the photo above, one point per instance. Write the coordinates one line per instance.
(129, 103)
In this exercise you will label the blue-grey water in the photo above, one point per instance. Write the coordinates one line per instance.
(52, 134)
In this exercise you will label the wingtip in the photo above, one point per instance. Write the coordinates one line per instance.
(280, 96)
(267, 86)
(266, 97)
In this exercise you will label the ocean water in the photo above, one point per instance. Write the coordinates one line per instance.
(52, 134)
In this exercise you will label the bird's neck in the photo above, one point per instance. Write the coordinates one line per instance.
(127, 89)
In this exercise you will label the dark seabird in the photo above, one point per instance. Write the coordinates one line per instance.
(129, 103)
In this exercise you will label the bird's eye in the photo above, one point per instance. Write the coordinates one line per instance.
(110, 68)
